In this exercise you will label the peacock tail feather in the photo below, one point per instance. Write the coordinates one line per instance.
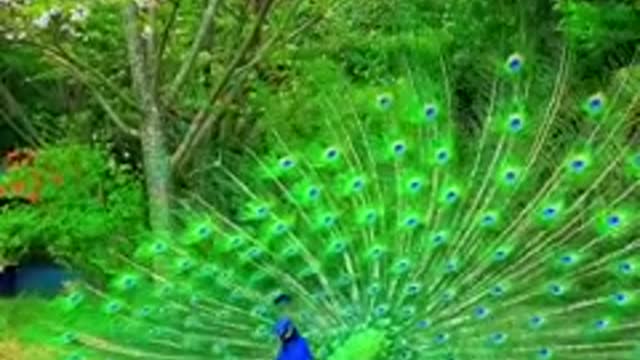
(406, 228)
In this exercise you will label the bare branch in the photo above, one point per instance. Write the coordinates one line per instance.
(17, 129)
(164, 38)
(202, 122)
(206, 25)
(79, 65)
(101, 99)
(31, 135)
(112, 114)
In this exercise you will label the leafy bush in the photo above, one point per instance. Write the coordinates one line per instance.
(83, 203)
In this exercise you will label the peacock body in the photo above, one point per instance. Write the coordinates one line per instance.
(407, 229)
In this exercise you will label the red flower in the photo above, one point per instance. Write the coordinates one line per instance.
(33, 197)
(18, 187)
(12, 155)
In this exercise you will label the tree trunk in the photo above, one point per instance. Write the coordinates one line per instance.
(156, 160)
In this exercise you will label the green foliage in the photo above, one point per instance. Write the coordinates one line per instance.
(600, 25)
(84, 203)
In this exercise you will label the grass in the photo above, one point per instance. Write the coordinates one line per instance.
(12, 314)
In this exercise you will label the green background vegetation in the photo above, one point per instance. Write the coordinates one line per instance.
(115, 131)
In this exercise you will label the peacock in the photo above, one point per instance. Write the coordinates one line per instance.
(408, 223)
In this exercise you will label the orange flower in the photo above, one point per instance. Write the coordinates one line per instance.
(12, 155)
(33, 197)
(18, 187)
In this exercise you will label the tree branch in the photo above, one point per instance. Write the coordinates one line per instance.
(15, 110)
(164, 39)
(191, 141)
(187, 65)
(202, 123)
(17, 129)
(112, 114)
(101, 99)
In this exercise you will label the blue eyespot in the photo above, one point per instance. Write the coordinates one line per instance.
(549, 213)
(601, 324)
(497, 290)
(287, 163)
(620, 298)
(613, 221)
(595, 103)
(626, 268)
(204, 232)
(438, 239)
(452, 266)
(412, 289)
(145, 311)
(515, 63)
(371, 216)
(498, 338)
(399, 148)
(128, 282)
(567, 259)
(556, 289)
(544, 353)
(159, 247)
(481, 312)
(451, 196)
(376, 253)
(423, 324)
(448, 296)
(415, 185)
(113, 307)
(254, 253)
(578, 165)
(430, 112)
(411, 222)
(403, 265)
(380, 310)
(331, 154)
(237, 242)
(515, 123)
(510, 176)
(442, 338)
(536, 321)
(488, 220)
(408, 311)
(385, 101)
(314, 192)
(281, 228)
(442, 156)
(358, 184)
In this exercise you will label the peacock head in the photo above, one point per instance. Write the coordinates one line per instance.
(285, 330)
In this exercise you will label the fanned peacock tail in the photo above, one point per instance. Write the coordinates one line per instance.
(407, 229)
